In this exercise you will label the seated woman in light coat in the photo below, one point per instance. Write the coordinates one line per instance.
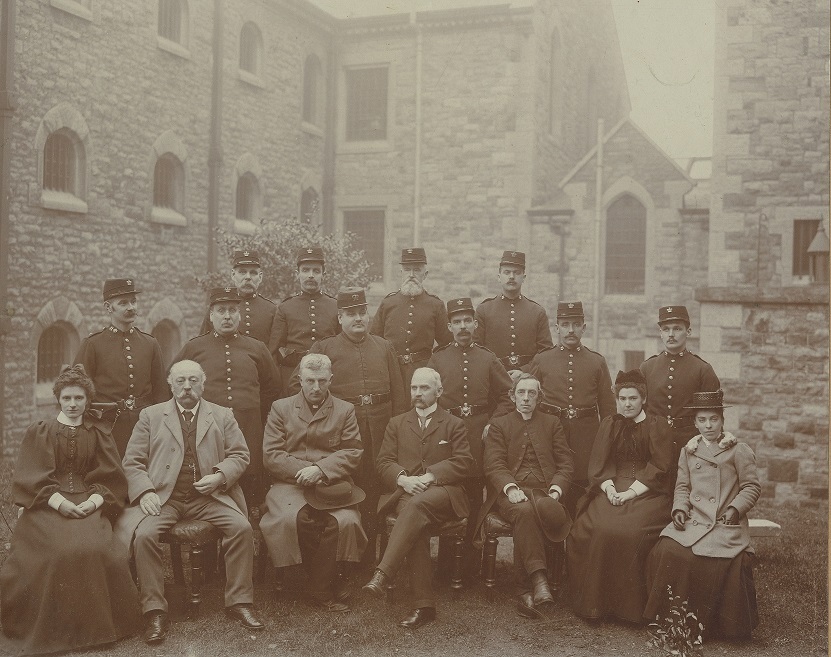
(704, 553)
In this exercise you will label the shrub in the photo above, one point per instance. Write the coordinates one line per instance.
(679, 633)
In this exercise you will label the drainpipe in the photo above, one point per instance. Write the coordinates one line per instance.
(329, 139)
(417, 168)
(598, 223)
(7, 19)
(215, 149)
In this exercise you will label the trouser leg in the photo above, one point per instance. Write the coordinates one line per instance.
(317, 532)
(420, 571)
(149, 556)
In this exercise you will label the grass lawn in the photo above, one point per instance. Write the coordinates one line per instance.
(791, 581)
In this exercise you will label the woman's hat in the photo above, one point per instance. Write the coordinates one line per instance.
(707, 400)
(333, 496)
(635, 377)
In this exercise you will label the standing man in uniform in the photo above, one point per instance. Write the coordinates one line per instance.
(577, 388)
(124, 363)
(673, 376)
(241, 375)
(476, 388)
(365, 372)
(256, 312)
(306, 316)
(412, 318)
(511, 325)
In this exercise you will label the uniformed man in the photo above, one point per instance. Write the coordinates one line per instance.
(306, 316)
(366, 373)
(412, 318)
(256, 312)
(511, 325)
(674, 375)
(476, 388)
(241, 375)
(124, 363)
(577, 388)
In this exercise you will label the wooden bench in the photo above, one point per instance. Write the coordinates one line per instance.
(761, 528)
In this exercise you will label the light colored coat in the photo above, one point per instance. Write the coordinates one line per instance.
(295, 438)
(711, 479)
(157, 449)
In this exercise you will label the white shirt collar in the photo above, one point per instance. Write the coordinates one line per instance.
(640, 417)
(424, 412)
(69, 422)
(193, 410)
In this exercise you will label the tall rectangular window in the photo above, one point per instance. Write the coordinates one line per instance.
(626, 246)
(368, 226)
(366, 104)
(170, 20)
(803, 234)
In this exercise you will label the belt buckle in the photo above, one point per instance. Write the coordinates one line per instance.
(513, 359)
(366, 400)
(466, 410)
(130, 403)
(407, 358)
(671, 421)
(571, 413)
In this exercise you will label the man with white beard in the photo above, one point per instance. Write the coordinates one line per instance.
(411, 318)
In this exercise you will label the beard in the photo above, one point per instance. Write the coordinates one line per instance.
(412, 288)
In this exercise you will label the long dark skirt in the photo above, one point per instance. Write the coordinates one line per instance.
(607, 550)
(66, 584)
(720, 592)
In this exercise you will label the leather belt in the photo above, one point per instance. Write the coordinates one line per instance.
(367, 400)
(293, 359)
(681, 422)
(129, 404)
(468, 410)
(415, 357)
(568, 413)
(515, 361)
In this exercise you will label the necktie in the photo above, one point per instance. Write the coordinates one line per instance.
(188, 415)
(422, 421)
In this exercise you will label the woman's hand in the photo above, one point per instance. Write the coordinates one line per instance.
(70, 510)
(611, 494)
(86, 507)
(679, 517)
(619, 499)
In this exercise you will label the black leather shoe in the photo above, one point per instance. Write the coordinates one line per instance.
(341, 591)
(155, 627)
(331, 605)
(378, 584)
(245, 616)
(542, 591)
(420, 616)
(525, 607)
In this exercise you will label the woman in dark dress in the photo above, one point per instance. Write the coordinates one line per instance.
(620, 517)
(704, 554)
(66, 583)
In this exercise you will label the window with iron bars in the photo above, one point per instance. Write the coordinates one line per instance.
(168, 183)
(53, 353)
(246, 197)
(170, 20)
(59, 163)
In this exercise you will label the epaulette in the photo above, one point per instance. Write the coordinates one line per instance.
(97, 332)
(291, 296)
(697, 356)
(481, 346)
(392, 294)
(440, 347)
(552, 347)
(486, 300)
(429, 294)
(144, 332)
(532, 301)
(264, 299)
(326, 294)
(208, 332)
(593, 351)
(652, 356)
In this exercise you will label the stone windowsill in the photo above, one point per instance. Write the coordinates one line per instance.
(63, 201)
(73, 7)
(244, 227)
(376, 146)
(251, 78)
(167, 216)
(794, 294)
(311, 129)
(172, 47)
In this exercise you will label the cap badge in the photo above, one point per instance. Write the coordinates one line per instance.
(459, 302)
(228, 289)
(669, 310)
(571, 305)
(246, 253)
(355, 297)
(129, 282)
(309, 251)
(513, 254)
(409, 250)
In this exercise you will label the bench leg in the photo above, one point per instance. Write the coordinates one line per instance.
(458, 557)
(197, 557)
(176, 560)
(489, 564)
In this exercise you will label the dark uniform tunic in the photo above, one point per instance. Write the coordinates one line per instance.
(412, 324)
(301, 320)
(124, 366)
(366, 374)
(242, 376)
(514, 329)
(671, 380)
(577, 382)
(256, 318)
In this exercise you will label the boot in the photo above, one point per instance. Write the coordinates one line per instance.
(541, 590)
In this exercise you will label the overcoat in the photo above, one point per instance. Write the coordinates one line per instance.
(294, 439)
(157, 448)
(712, 478)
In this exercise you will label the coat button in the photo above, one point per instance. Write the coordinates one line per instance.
(698, 498)
(695, 522)
(698, 465)
(712, 500)
(167, 466)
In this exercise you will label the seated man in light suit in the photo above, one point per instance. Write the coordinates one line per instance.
(183, 461)
(422, 465)
(311, 450)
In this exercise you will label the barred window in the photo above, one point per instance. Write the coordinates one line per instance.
(626, 246)
(250, 48)
(169, 339)
(247, 192)
(366, 104)
(168, 183)
(312, 91)
(53, 352)
(171, 20)
(368, 227)
(804, 231)
(59, 163)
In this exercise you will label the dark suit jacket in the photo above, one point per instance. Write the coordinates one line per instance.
(442, 451)
(504, 449)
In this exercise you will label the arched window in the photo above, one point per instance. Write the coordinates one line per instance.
(248, 191)
(555, 92)
(250, 49)
(169, 183)
(313, 91)
(173, 21)
(55, 349)
(310, 207)
(59, 163)
(625, 246)
(169, 338)
(60, 144)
